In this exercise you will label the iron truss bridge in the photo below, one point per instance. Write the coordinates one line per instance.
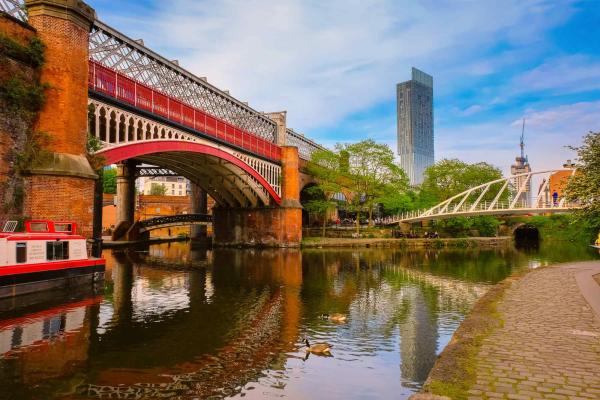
(168, 221)
(151, 171)
(174, 92)
(505, 196)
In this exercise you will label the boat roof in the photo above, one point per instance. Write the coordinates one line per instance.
(40, 229)
(39, 236)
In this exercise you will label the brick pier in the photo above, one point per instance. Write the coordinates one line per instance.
(62, 186)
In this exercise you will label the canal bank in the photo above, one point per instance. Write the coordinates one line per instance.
(531, 336)
(471, 242)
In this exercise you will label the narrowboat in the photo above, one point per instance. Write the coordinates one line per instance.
(46, 255)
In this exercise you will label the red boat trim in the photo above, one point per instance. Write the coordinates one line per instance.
(48, 266)
(42, 236)
(50, 312)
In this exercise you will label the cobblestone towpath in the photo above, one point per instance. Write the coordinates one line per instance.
(549, 344)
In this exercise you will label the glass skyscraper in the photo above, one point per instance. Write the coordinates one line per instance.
(415, 125)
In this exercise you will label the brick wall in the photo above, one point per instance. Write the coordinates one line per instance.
(53, 199)
(268, 227)
(56, 194)
(15, 29)
(64, 115)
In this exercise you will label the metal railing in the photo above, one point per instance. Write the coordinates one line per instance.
(175, 219)
(510, 195)
(113, 84)
(305, 145)
(14, 8)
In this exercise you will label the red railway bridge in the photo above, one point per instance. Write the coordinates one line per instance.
(146, 110)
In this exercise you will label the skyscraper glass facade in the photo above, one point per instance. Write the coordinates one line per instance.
(415, 125)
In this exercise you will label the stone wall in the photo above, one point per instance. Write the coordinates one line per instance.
(15, 121)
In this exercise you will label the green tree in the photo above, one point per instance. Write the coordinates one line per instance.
(370, 171)
(450, 177)
(584, 186)
(325, 166)
(156, 189)
(457, 226)
(396, 199)
(486, 225)
(109, 180)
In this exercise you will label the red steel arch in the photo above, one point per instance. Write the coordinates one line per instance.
(113, 155)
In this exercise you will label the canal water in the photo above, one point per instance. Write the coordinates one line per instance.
(184, 323)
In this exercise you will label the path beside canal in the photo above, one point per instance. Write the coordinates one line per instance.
(318, 242)
(546, 344)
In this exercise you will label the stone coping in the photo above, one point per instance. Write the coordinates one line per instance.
(588, 281)
(471, 242)
(62, 164)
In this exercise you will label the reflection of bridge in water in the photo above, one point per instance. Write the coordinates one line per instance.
(236, 317)
(260, 329)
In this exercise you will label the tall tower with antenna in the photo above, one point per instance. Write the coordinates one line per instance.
(521, 166)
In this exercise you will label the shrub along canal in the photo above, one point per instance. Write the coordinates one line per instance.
(186, 323)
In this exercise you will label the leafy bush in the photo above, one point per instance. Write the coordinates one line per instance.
(457, 227)
(21, 96)
(486, 225)
(33, 54)
(34, 153)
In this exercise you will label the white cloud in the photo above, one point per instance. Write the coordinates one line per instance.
(567, 74)
(322, 61)
(548, 132)
(473, 109)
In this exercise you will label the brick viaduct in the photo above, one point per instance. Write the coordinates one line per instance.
(63, 186)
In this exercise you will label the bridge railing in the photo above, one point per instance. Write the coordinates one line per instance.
(173, 219)
(305, 145)
(480, 209)
(118, 86)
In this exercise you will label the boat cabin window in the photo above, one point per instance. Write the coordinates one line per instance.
(21, 253)
(57, 250)
(38, 226)
(63, 227)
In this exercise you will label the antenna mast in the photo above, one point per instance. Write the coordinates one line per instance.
(523, 140)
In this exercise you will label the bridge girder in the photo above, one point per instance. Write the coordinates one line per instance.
(216, 174)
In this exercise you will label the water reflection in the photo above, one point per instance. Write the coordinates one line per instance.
(181, 322)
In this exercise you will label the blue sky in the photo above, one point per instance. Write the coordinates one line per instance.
(334, 65)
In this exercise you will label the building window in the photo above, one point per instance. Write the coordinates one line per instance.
(57, 250)
(21, 253)
(173, 192)
(180, 192)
